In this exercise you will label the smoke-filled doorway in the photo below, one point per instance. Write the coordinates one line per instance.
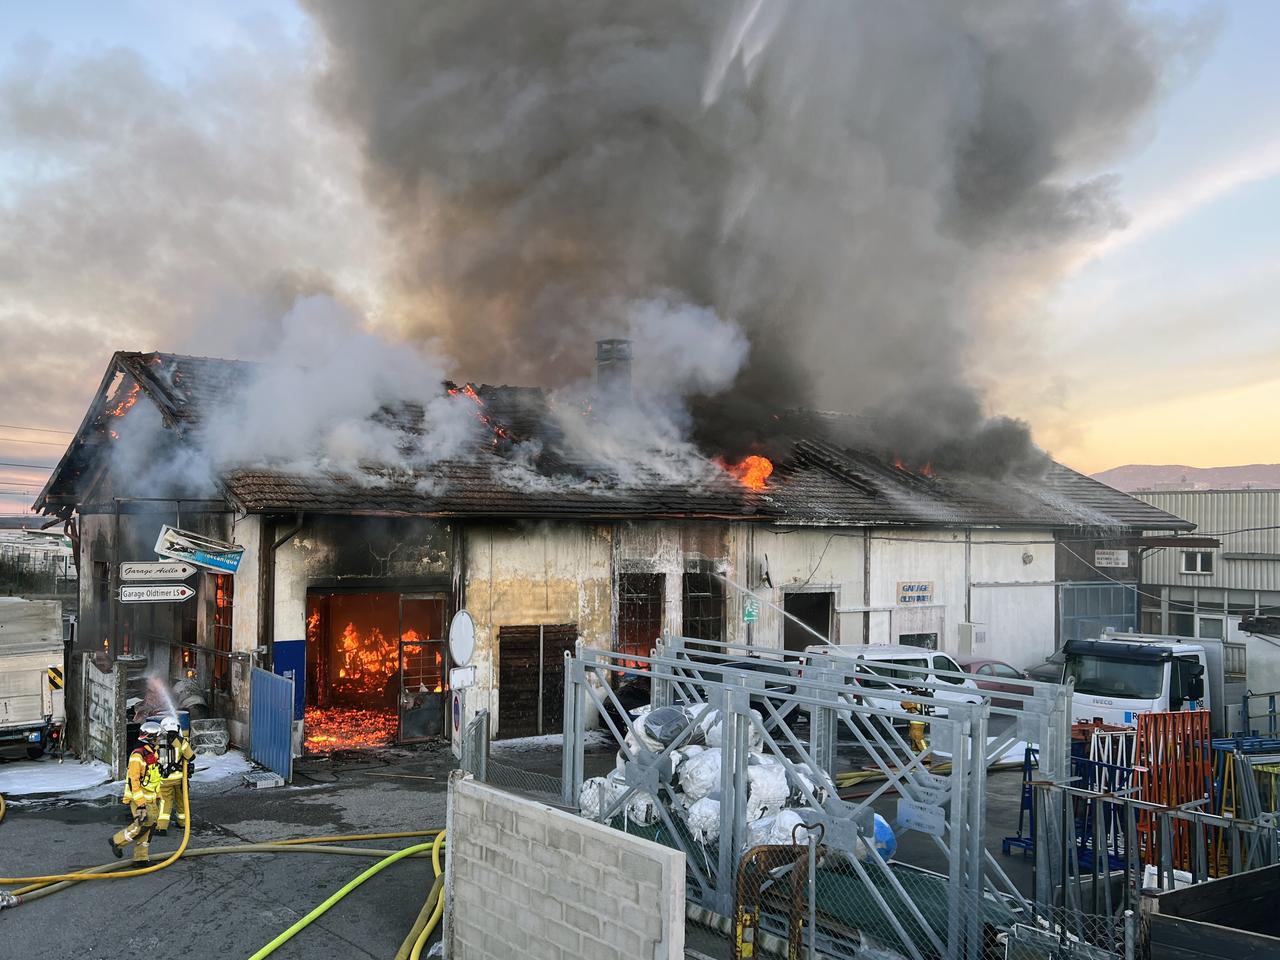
(369, 655)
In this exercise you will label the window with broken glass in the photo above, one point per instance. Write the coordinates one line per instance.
(703, 597)
(639, 614)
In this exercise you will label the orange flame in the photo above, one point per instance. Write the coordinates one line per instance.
(468, 391)
(368, 661)
(924, 471)
(751, 472)
(125, 405)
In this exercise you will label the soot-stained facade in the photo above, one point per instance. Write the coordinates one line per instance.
(350, 581)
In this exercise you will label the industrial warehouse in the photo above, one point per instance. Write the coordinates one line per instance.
(361, 575)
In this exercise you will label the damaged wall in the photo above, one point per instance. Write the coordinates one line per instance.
(531, 574)
(353, 553)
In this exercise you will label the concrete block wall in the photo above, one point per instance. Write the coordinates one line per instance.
(527, 880)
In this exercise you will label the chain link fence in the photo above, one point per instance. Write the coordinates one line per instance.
(511, 768)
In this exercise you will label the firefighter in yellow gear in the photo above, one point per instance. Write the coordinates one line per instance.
(176, 762)
(142, 794)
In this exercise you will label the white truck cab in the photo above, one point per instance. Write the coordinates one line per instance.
(1120, 675)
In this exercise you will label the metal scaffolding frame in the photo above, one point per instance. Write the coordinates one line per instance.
(766, 705)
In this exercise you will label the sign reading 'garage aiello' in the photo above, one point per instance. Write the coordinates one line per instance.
(914, 592)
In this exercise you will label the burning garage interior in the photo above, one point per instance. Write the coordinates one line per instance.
(347, 579)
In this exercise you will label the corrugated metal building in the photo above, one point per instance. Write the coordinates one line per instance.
(1205, 592)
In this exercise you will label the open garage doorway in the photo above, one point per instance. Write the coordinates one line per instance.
(376, 670)
(815, 613)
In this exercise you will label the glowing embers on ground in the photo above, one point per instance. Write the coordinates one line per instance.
(752, 472)
(347, 728)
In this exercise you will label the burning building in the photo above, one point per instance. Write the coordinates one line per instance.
(349, 579)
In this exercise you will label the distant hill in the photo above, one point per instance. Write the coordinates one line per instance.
(1133, 477)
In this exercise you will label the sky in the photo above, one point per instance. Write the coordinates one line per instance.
(133, 130)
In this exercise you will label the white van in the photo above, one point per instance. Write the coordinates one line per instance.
(880, 660)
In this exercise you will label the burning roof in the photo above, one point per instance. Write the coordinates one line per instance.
(815, 482)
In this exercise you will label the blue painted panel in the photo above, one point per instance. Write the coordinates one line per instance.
(290, 660)
(271, 722)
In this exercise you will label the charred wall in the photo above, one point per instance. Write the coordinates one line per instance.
(536, 573)
(340, 554)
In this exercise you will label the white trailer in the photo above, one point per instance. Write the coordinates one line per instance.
(32, 676)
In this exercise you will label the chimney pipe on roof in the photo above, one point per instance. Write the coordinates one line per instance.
(613, 369)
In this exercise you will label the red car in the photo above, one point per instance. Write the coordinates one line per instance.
(995, 676)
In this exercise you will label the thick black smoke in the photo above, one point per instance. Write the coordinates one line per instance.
(868, 189)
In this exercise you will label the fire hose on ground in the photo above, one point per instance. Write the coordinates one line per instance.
(425, 924)
(350, 885)
(122, 874)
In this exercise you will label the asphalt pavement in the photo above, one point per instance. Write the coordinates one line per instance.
(230, 905)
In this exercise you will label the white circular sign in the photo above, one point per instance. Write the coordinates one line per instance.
(462, 638)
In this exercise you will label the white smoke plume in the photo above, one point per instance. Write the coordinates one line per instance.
(313, 402)
(327, 396)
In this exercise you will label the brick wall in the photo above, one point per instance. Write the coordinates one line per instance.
(527, 880)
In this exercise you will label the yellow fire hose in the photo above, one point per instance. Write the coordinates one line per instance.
(436, 900)
(292, 845)
(38, 890)
(123, 874)
(350, 885)
(36, 887)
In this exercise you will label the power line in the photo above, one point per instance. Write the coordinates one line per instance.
(14, 426)
(28, 466)
(43, 443)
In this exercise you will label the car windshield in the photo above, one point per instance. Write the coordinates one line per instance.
(1115, 678)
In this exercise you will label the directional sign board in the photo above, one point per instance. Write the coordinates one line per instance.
(153, 570)
(156, 593)
(750, 610)
(198, 549)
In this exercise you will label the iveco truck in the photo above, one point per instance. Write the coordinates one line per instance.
(1120, 675)
(32, 679)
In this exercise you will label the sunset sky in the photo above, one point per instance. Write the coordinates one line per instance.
(1160, 345)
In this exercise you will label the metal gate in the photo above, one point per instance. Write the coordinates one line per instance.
(271, 721)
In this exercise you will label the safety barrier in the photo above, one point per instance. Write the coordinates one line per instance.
(1172, 758)
(1174, 847)
(1264, 723)
(923, 733)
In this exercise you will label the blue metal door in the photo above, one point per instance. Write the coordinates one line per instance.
(271, 722)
